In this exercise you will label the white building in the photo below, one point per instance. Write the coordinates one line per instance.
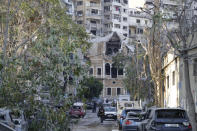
(115, 16)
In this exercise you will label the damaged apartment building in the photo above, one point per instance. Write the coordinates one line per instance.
(102, 67)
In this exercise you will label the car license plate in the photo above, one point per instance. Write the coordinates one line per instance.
(109, 115)
(171, 125)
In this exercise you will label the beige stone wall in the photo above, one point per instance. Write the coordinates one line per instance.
(98, 60)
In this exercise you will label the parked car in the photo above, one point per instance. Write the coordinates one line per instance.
(106, 104)
(131, 122)
(124, 114)
(89, 105)
(167, 119)
(110, 113)
(77, 110)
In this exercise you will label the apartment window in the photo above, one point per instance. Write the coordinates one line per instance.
(107, 0)
(91, 71)
(79, 22)
(125, 35)
(138, 21)
(117, 17)
(117, 8)
(173, 78)
(106, 8)
(118, 91)
(92, 3)
(140, 31)
(107, 17)
(125, 1)
(124, 27)
(117, 1)
(124, 10)
(93, 21)
(93, 32)
(146, 22)
(107, 25)
(108, 91)
(94, 11)
(79, 3)
(195, 67)
(167, 81)
(107, 69)
(80, 13)
(117, 26)
(125, 19)
(98, 71)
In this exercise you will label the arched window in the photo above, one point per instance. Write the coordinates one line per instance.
(114, 72)
(107, 69)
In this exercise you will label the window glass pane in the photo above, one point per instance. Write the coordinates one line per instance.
(99, 71)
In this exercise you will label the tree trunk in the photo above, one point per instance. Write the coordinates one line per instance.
(190, 100)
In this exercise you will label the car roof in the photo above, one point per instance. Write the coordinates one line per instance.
(78, 104)
(168, 109)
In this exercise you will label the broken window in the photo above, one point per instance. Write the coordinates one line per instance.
(113, 71)
(94, 11)
(118, 91)
(108, 91)
(120, 72)
(93, 32)
(109, 51)
(113, 45)
(107, 69)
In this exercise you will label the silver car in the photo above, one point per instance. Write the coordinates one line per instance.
(132, 122)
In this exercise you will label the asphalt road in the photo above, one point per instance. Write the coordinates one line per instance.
(92, 123)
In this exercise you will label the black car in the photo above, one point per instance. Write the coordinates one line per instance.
(167, 119)
(89, 105)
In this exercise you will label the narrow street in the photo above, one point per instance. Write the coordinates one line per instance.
(92, 123)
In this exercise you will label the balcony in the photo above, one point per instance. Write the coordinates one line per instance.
(93, 15)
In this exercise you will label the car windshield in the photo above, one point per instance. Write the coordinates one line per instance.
(15, 115)
(76, 107)
(133, 110)
(166, 114)
(110, 109)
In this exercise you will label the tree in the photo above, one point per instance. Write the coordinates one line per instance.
(136, 79)
(36, 39)
(180, 37)
(91, 87)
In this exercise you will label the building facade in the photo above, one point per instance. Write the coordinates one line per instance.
(174, 82)
(102, 67)
(115, 16)
(89, 14)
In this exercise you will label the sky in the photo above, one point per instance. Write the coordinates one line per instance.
(135, 3)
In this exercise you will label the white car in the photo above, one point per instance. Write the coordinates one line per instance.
(110, 113)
